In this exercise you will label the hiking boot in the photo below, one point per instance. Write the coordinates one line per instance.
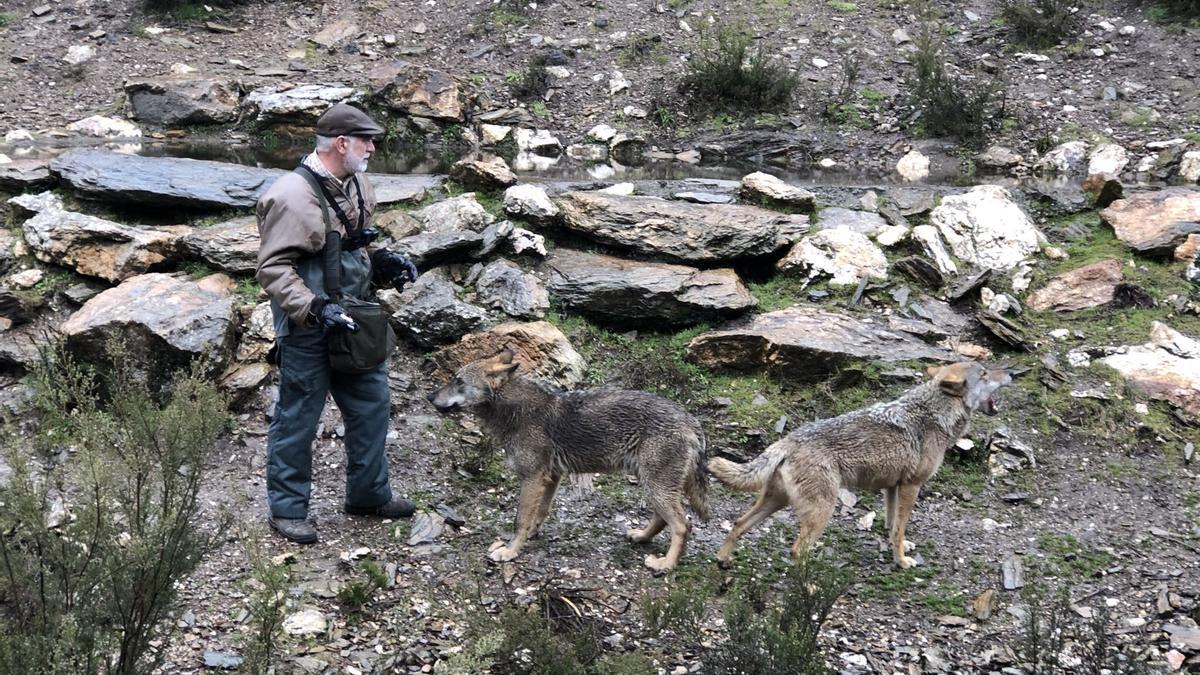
(296, 530)
(397, 508)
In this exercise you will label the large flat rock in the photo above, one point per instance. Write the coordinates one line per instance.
(683, 231)
(1155, 223)
(807, 342)
(231, 246)
(625, 291)
(1165, 368)
(195, 183)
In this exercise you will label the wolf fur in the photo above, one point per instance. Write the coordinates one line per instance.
(547, 434)
(893, 446)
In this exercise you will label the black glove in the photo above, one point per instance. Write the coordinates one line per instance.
(393, 267)
(359, 239)
(332, 315)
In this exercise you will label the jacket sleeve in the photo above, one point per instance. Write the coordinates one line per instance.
(289, 228)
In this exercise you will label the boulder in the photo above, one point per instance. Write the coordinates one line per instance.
(418, 91)
(765, 187)
(540, 347)
(538, 142)
(1106, 162)
(680, 230)
(1088, 286)
(1165, 368)
(1189, 166)
(295, 105)
(194, 183)
(1155, 223)
(862, 222)
(429, 312)
(99, 126)
(913, 167)
(231, 246)
(843, 255)
(94, 246)
(259, 334)
(164, 321)
(178, 102)
(459, 213)
(8, 253)
(428, 248)
(985, 227)
(1067, 158)
(397, 223)
(529, 202)
(998, 158)
(484, 174)
(504, 286)
(25, 175)
(808, 342)
(644, 293)
(929, 239)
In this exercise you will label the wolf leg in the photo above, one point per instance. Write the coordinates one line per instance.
(814, 517)
(906, 499)
(889, 511)
(768, 502)
(532, 490)
(547, 502)
(813, 494)
(670, 509)
(649, 532)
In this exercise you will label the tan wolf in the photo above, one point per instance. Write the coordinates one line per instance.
(547, 434)
(893, 446)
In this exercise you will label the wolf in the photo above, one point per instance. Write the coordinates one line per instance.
(547, 434)
(893, 446)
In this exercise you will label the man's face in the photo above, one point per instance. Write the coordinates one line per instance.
(358, 149)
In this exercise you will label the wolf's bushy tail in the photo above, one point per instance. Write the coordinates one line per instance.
(747, 477)
(697, 485)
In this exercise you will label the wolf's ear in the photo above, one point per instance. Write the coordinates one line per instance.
(505, 356)
(501, 372)
(953, 384)
(932, 371)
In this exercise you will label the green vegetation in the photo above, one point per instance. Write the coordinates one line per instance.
(726, 76)
(950, 105)
(842, 6)
(268, 600)
(533, 82)
(1071, 559)
(1040, 23)
(7, 18)
(356, 594)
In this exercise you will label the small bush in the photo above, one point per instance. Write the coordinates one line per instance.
(1040, 23)
(533, 83)
(1167, 11)
(91, 548)
(680, 609)
(725, 75)
(839, 103)
(950, 105)
(1052, 630)
(268, 599)
(778, 634)
(355, 595)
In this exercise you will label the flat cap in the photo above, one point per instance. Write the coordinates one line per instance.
(346, 120)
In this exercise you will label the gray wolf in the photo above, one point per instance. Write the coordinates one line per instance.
(894, 446)
(547, 434)
(292, 228)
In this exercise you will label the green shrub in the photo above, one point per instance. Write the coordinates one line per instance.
(1040, 23)
(680, 609)
(777, 634)
(1048, 629)
(726, 76)
(950, 105)
(1166, 11)
(356, 594)
(268, 599)
(91, 547)
(533, 82)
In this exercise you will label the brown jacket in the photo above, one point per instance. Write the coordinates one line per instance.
(291, 229)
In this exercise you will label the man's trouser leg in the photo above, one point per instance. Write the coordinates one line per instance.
(303, 385)
(366, 406)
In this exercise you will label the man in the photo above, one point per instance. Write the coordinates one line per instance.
(292, 230)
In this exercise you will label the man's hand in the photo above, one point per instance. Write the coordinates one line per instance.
(333, 315)
(393, 267)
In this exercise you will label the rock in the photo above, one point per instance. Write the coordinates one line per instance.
(929, 239)
(900, 36)
(1185, 637)
(913, 167)
(79, 54)
(619, 189)
(222, 660)
(998, 157)
(231, 246)
(305, 622)
(617, 83)
(504, 286)
(862, 222)
(985, 227)
(259, 334)
(418, 91)
(587, 152)
(165, 322)
(1012, 573)
(426, 528)
(1155, 223)
(891, 235)
(921, 270)
(628, 292)
(1189, 166)
(679, 230)
(26, 279)
(808, 342)
(491, 135)
(1166, 368)
(529, 202)
(98, 126)
(1067, 158)
(459, 213)
(429, 248)
(179, 102)
(522, 241)
(627, 148)
(93, 246)
(843, 255)
(429, 312)
(296, 105)
(538, 142)
(493, 235)
(1106, 162)
(1089, 286)
(768, 188)
(540, 347)
(25, 175)
(484, 174)
(703, 197)
(333, 34)
(601, 133)
(243, 381)
(193, 183)
(397, 223)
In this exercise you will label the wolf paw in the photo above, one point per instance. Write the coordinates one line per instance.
(659, 564)
(502, 553)
(905, 562)
(637, 536)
